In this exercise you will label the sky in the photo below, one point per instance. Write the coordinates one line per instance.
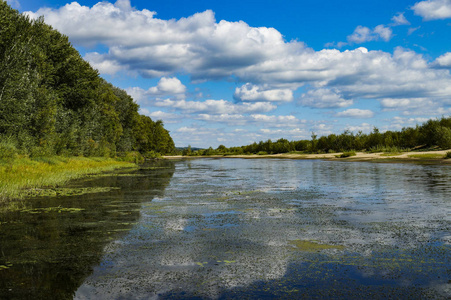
(234, 72)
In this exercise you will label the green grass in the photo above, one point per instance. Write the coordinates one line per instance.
(386, 149)
(427, 156)
(19, 175)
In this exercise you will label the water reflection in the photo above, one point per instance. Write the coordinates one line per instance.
(48, 249)
(282, 228)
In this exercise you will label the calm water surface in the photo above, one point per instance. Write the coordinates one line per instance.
(236, 228)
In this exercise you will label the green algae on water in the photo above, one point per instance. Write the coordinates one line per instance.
(54, 192)
(310, 246)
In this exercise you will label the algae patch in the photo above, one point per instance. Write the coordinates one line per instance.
(310, 246)
(54, 192)
(58, 209)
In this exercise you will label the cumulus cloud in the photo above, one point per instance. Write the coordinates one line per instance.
(363, 34)
(165, 87)
(324, 98)
(443, 61)
(399, 19)
(216, 106)
(205, 49)
(433, 9)
(355, 113)
(250, 92)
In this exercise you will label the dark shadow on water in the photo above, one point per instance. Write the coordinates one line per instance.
(49, 248)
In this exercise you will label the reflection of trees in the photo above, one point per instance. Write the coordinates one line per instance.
(52, 252)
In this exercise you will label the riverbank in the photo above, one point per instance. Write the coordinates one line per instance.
(20, 175)
(413, 156)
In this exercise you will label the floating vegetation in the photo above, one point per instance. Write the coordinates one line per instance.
(202, 264)
(54, 192)
(58, 209)
(7, 265)
(311, 246)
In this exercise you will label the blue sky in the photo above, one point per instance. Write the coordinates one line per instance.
(235, 72)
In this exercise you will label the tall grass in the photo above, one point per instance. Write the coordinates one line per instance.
(387, 149)
(20, 174)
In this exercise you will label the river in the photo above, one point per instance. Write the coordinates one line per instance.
(235, 228)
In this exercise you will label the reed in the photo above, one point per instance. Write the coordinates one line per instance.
(22, 173)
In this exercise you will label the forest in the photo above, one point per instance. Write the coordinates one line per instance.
(433, 134)
(52, 102)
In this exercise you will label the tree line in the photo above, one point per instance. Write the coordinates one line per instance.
(431, 134)
(52, 102)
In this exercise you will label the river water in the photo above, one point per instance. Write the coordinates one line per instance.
(235, 228)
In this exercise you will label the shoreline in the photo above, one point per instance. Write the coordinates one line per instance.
(433, 157)
(19, 177)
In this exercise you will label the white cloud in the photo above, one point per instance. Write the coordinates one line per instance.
(231, 119)
(355, 113)
(161, 115)
(363, 34)
(383, 32)
(250, 92)
(399, 103)
(13, 3)
(167, 86)
(412, 30)
(276, 121)
(324, 98)
(216, 106)
(291, 134)
(443, 61)
(109, 67)
(400, 19)
(364, 127)
(206, 50)
(433, 9)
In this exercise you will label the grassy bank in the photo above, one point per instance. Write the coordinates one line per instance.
(21, 174)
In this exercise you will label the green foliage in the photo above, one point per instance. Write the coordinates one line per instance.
(54, 102)
(133, 157)
(448, 155)
(431, 134)
(8, 149)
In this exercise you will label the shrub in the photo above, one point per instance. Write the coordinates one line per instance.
(133, 157)
(447, 155)
(8, 149)
(262, 153)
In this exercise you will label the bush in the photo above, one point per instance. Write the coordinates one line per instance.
(8, 149)
(262, 153)
(133, 157)
(152, 154)
(447, 155)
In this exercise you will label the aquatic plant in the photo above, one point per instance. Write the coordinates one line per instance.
(19, 175)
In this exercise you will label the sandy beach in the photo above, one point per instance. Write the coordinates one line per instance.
(419, 156)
